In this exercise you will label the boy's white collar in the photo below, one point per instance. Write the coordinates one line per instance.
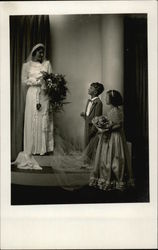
(94, 98)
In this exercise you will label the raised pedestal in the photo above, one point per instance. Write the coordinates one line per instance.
(49, 177)
(52, 177)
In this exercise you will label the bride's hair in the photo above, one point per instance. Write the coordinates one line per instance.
(35, 51)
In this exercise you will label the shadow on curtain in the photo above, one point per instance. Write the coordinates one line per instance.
(25, 32)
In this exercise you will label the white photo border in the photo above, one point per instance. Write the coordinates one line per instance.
(126, 225)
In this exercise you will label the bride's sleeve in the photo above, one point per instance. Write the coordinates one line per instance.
(49, 68)
(25, 77)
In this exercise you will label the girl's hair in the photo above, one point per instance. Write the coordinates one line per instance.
(115, 98)
(34, 52)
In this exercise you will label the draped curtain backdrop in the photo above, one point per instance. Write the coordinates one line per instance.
(136, 94)
(25, 32)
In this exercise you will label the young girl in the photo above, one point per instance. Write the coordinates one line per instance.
(111, 166)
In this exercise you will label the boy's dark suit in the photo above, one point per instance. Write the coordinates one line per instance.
(96, 110)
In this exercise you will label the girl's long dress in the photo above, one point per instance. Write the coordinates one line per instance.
(112, 166)
(38, 124)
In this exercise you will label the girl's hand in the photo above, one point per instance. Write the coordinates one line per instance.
(101, 131)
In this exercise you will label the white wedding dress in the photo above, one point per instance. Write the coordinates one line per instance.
(38, 124)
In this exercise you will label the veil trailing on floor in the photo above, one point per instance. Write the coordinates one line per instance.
(70, 166)
(68, 157)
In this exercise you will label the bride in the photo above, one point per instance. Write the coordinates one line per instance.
(40, 130)
(38, 122)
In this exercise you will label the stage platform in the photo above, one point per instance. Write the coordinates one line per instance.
(49, 175)
(52, 176)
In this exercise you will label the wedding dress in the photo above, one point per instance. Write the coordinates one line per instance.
(38, 123)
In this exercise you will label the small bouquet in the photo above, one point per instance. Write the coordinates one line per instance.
(55, 87)
(103, 125)
(101, 122)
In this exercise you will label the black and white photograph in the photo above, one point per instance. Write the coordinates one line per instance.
(79, 124)
(79, 108)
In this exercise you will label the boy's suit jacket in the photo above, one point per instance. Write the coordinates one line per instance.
(96, 110)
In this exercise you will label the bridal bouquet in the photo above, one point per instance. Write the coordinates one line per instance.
(55, 87)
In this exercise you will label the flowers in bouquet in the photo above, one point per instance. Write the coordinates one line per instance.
(55, 87)
(103, 125)
(101, 122)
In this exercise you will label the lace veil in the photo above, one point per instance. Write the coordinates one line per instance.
(39, 45)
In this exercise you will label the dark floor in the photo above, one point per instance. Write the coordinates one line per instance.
(27, 195)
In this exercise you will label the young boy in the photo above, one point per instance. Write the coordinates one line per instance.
(94, 108)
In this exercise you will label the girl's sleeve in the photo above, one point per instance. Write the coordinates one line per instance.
(116, 116)
(120, 117)
(25, 78)
(116, 119)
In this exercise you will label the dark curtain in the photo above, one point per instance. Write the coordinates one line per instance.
(25, 32)
(136, 93)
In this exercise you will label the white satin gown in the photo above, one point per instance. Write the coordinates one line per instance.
(38, 124)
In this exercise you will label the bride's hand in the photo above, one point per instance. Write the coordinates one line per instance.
(38, 106)
(38, 81)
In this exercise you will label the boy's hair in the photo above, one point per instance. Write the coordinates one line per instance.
(115, 98)
(98, 86)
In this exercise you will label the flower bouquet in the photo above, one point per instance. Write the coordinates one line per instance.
(101, 122)
(103, 125)
(56, 89)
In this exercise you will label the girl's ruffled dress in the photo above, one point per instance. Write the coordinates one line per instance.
(112, 165)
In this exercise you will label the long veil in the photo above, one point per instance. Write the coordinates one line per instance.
(71, 166)
(23, 160)
(68, 167)
(68, 155)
